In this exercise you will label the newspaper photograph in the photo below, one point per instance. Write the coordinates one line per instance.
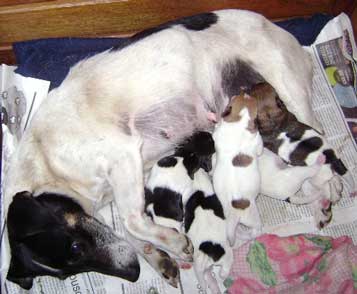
(334, 103)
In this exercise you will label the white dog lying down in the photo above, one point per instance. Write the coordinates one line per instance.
(236, 175)
(123, 109)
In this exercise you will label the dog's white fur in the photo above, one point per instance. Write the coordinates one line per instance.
(281, 181)
(233, 183)
(93, 135)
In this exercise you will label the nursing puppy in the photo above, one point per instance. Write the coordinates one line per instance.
(205, 225)
(236, 177)
(168, 186)
(94, 136)
(300, 145)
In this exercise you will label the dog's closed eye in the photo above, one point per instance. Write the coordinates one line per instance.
(279, 103)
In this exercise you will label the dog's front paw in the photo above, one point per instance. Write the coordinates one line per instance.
(187, 249)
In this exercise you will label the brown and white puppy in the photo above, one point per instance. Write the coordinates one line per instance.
(118, 112)
(236, 177)
(300, 145)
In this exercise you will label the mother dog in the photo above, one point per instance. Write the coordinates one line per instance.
(117, 112)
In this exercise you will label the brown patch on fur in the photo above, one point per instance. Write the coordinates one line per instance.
(237, 103)
(168, 268)
(272, 113)
(162, 253)
(241, 203)
(71, 219)
(242, 160)
(162, 237)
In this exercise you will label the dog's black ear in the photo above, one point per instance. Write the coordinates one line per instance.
(17, 274)
(27, 216)
(192, 164)
(25, 283)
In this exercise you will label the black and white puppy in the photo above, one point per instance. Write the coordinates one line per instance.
(179, 194)
(300, 145)
(118, 112)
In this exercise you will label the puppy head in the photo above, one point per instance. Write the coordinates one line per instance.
(200, 146)
(233, 110)
(51, 235)
(272, 113)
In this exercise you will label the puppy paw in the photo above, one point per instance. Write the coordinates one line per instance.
(336, 189)
(321, 159)
(322, 213)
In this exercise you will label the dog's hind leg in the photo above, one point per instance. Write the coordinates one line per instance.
(125, 175)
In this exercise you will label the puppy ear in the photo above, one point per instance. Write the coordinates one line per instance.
(27, 216)
(192, 164)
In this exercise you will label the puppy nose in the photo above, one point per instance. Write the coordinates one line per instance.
(133, 272)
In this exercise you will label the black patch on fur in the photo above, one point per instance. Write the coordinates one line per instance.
(192, 164)
(238, 75)
(197, 22)
(336, 163)
(202, 145)
(303, 149)
(295, 134)
(166, 203)
(198, 199)
(215, 251)
(168, 161)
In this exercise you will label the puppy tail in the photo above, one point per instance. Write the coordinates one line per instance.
(200, 266)
(226, 263)
(232, 223)
(203, 269)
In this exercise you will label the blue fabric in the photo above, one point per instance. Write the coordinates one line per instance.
(50, 59)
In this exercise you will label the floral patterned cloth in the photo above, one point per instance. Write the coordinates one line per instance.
(296, 264)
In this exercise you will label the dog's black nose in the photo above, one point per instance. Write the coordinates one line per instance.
(133, 272)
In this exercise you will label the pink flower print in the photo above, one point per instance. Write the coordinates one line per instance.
(295, 255)
(346, 287)
(246, 286)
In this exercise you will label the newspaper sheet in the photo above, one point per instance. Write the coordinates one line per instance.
(335, 105)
